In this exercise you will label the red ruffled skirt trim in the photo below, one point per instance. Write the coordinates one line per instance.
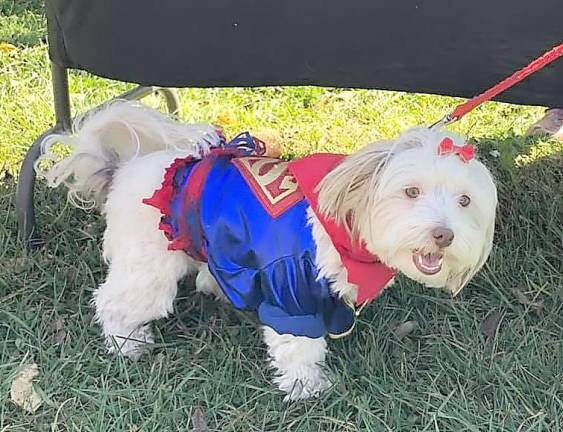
(161, 200)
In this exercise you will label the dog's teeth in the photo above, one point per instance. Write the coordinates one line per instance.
(428, 263)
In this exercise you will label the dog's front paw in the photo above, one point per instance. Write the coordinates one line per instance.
(133, 345)
(303, 382)
(298, 363)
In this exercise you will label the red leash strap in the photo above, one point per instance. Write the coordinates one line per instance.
(513, 79)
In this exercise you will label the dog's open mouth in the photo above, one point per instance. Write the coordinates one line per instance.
(428, 264)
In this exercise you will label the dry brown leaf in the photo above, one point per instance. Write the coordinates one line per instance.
(199, 420)
(17, 263)
(7, 47)
(60, 335)
(405, 329)
(536, 306)
(59, 324)
(225, 118)
(22, 392)
(491, 324)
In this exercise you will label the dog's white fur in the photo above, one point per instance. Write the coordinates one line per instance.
(119, 157)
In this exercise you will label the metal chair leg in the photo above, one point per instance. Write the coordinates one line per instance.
(61, 96)
(172, 101)
(25, 209)
(170, 96)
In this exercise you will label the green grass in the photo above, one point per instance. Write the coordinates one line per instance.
(209, 361)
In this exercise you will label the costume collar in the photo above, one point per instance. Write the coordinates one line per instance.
(364, 269)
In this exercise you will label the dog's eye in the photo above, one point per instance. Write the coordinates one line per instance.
(412, 192)
(464, 200)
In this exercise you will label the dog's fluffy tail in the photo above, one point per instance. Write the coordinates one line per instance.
(110, 136)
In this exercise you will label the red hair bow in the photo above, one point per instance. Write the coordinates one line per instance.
(465, 153)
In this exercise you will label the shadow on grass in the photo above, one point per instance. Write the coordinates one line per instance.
(529, 226)
(22, 22)
(529, 174)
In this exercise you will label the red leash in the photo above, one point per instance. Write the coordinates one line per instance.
(513, 79)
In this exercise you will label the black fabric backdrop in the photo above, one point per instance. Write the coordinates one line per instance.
(452, 47)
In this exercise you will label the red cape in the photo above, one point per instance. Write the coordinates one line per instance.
(364, 269)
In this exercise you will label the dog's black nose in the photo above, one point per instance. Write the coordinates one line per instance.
(443, 237)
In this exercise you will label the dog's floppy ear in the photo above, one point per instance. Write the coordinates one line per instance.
(348, 189)
(456, 282)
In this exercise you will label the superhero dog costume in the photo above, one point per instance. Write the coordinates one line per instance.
(246, 216)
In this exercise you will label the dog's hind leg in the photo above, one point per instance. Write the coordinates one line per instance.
(134, 294)
(142, 279)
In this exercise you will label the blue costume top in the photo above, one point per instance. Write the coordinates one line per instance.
(255, 237)
(246, 216)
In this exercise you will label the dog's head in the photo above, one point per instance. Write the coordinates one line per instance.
(418, 204)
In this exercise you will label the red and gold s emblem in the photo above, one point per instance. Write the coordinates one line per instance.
(271, 181)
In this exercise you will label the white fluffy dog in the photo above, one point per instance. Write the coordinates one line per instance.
(426, 213)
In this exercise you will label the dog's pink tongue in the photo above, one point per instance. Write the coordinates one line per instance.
(431, 260)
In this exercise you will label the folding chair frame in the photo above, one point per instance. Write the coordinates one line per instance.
(25, 206)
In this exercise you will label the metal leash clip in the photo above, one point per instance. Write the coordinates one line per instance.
(444, 121)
